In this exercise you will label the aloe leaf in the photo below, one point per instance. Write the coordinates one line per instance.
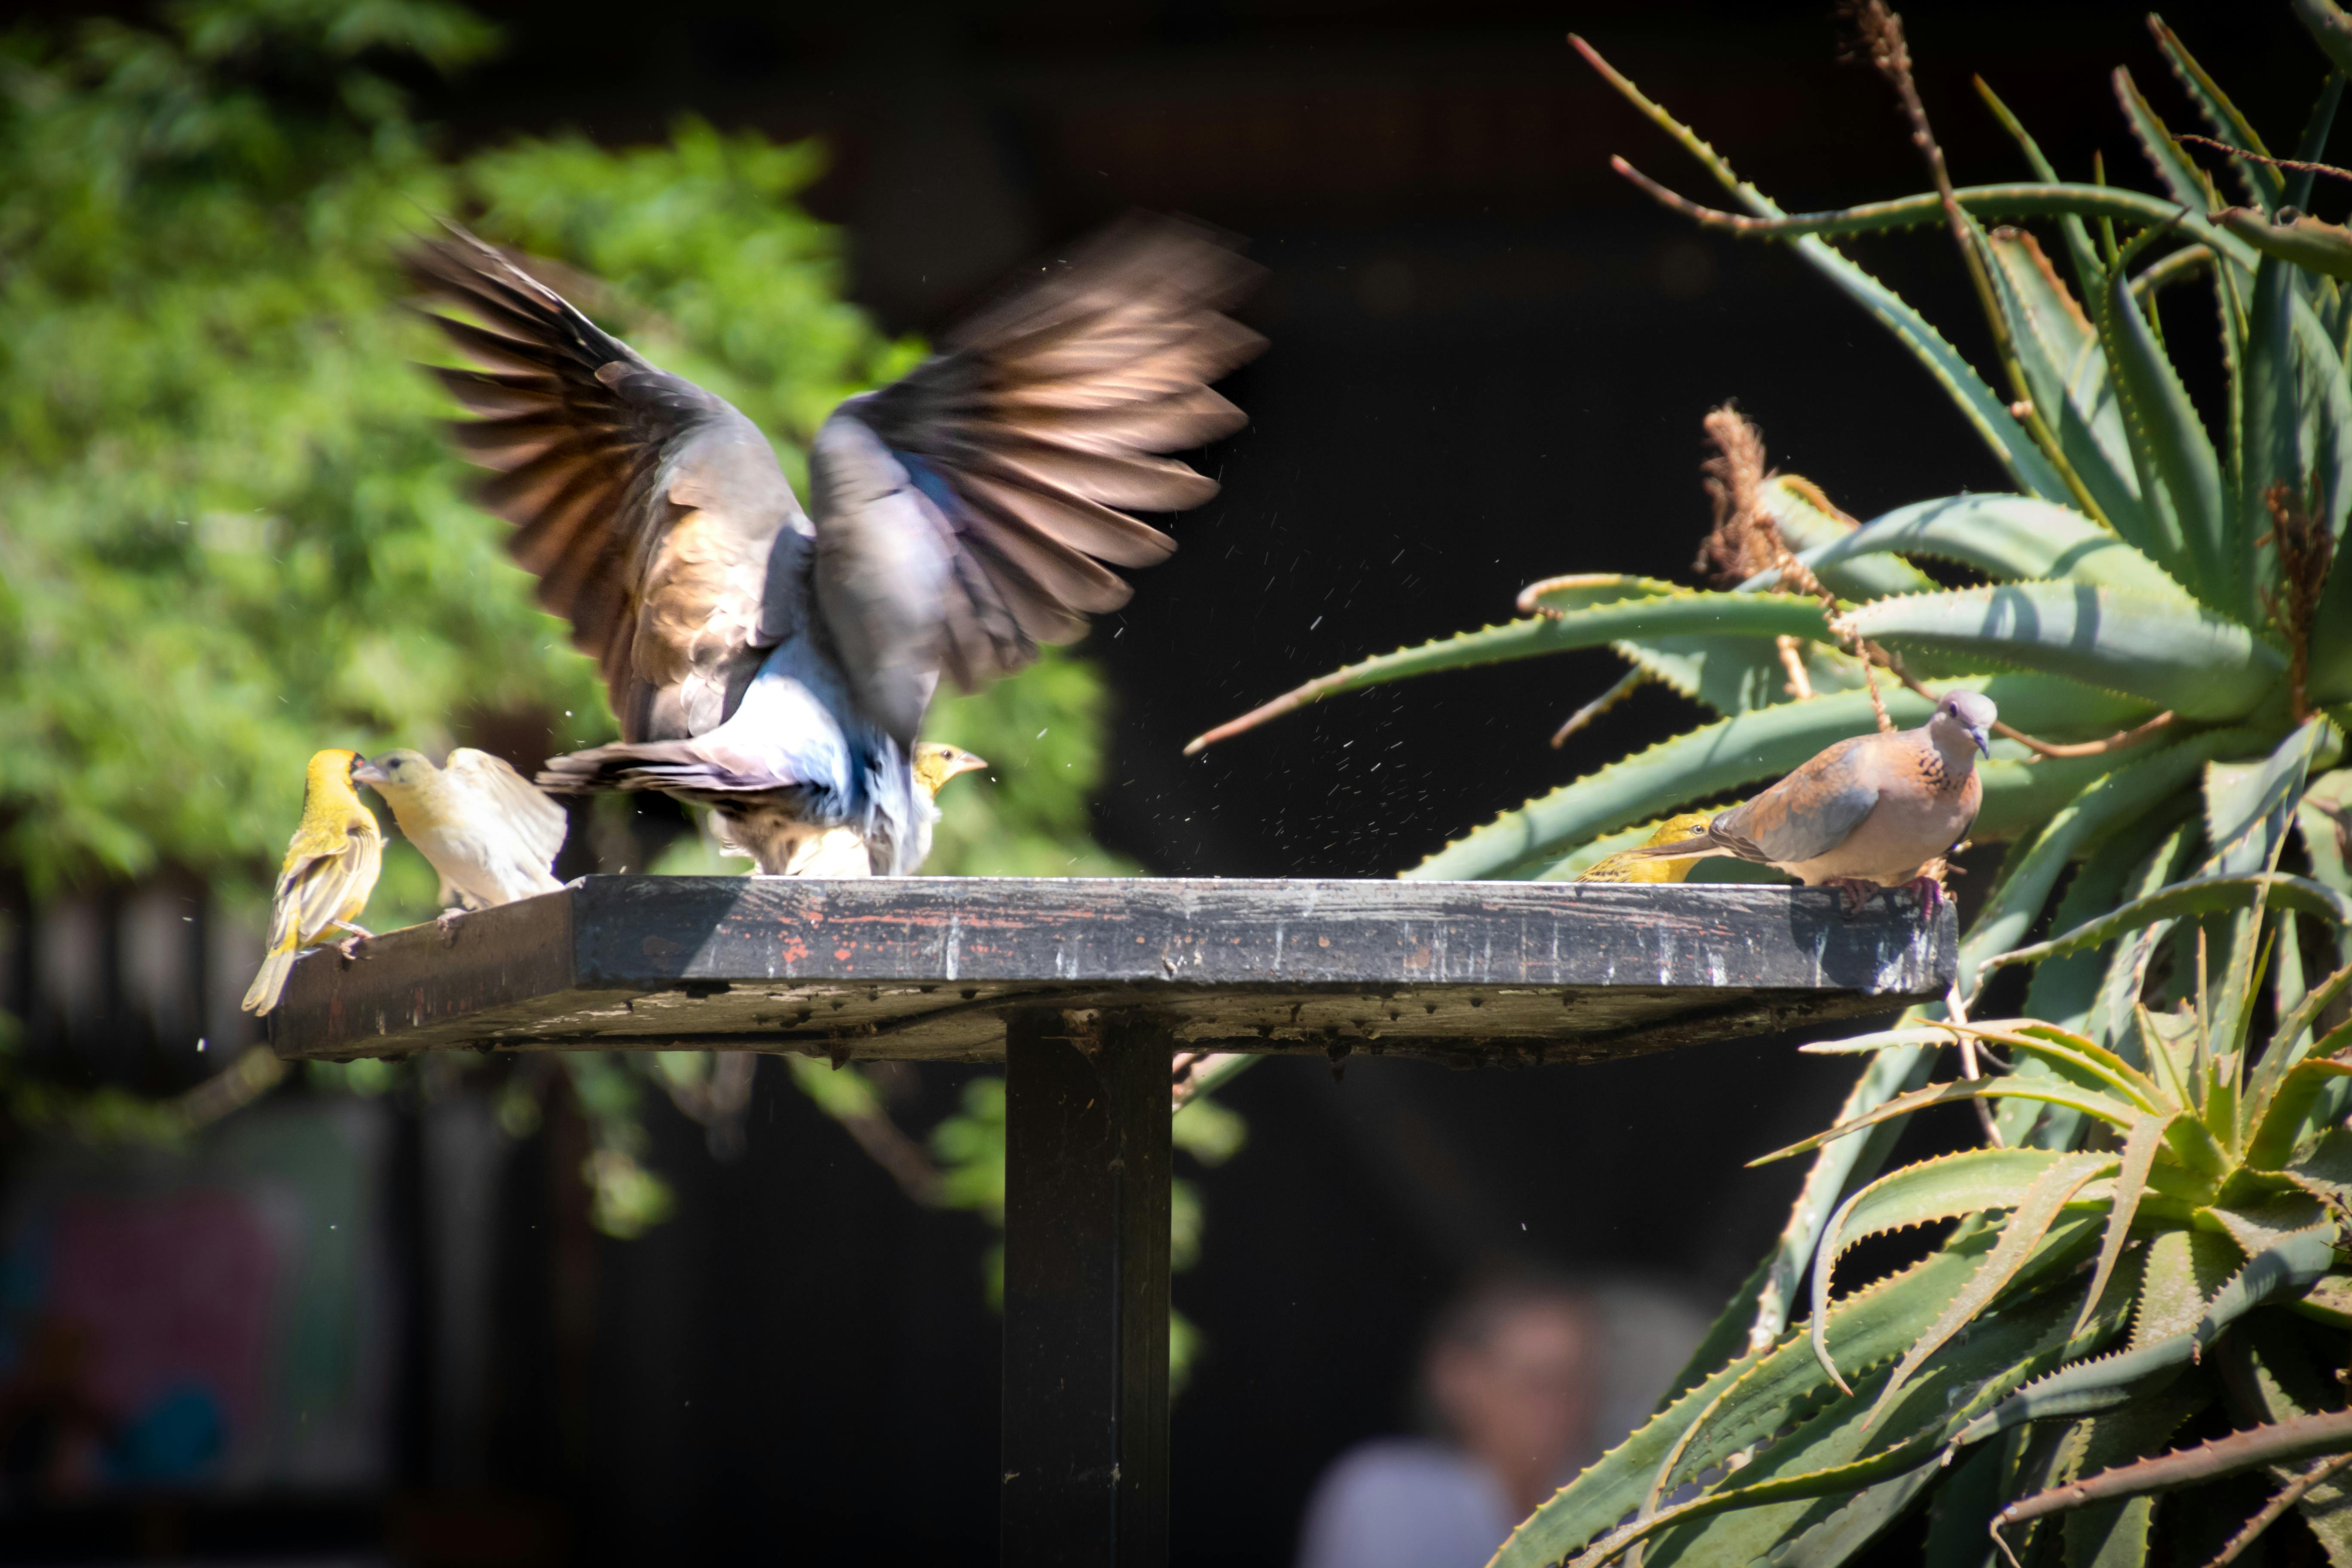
(1988, 412)
(1708, 763)
(2173, 168)
(2179, 473)
(2197, 896)
(2066, 371)
(2269, 1444)
(2292, 1035)
(2011, 538)
(2115, 1535)
(1812, 528)
(2184, 1270)
(1737, 674)
(1590, 611)
(1873, 1326)
(1955, 1514)
(2324, 434)
(2020, 797)
(1857, 1522)
(2060, 200)
(2270, 417)
(2283, 1117)
(2276, 1381)
(2114, 1113)
(2248, 811)
(1879, 1039)
(2140, 1144)
(2136, 786)
(2068, 991)
(1752, 1397)
(2250, 806)
(2080, 1060)
(1945, 1188)
(2329, 27)
(1772, 1512)
(2087, 1387)
(1985, 410)
(2259, 1224)
(2304, 241)
(1892, 1073)
(2262, 182)
(2165, 652)
(2127, 973)
(2087, 268)
(2028, 1223)
(2324, 819)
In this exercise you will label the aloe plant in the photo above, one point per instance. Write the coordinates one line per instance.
(2159, 611)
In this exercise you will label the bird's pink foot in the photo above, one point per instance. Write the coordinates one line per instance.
(1930, 893)
(1856, 889)
(349, 947)
(448, 920)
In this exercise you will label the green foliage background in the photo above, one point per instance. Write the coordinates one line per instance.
(230, 530)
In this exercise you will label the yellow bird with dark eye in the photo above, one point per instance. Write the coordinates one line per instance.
(1626, 866)
(331, 869)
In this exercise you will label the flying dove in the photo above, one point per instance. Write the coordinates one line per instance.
(775, 664)
(1869, 813)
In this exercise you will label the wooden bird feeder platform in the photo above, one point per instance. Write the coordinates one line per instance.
(1086, 989)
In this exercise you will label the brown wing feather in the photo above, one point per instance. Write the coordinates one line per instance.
(647, 508)
(1037, 428)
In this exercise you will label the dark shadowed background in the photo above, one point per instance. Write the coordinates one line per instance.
(1489, 360)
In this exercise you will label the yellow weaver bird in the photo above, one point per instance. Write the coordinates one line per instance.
(1626, 866)
(840, 852)
(331, 869)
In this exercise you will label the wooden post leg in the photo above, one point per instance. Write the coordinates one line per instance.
(1085, 1294)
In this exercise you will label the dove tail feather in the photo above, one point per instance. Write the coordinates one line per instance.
(263, 994)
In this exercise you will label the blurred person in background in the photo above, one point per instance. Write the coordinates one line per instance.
(1525, 1380)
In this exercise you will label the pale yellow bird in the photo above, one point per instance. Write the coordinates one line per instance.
(842, 852)
(491, 833)
(331, 869)
(1626, 866)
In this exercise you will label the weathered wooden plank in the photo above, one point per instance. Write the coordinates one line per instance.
(925, 967)
(1084, 1479)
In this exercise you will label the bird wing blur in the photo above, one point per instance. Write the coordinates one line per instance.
(330, 867)
(1630, 866)
(774, 663)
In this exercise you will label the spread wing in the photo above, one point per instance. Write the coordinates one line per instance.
(538, 823)
(648, 508)
(1808, 813)
(1017, 450)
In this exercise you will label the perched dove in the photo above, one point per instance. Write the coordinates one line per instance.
(1866, 814)
(490, 832)
(332, 865)
(775, 664)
